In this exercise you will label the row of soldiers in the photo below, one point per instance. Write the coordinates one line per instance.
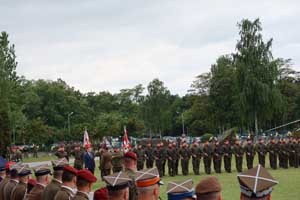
(286, 151)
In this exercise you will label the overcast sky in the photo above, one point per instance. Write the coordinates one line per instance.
(112, 45)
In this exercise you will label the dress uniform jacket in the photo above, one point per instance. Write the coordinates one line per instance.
(9, 187)
(81, 196)
(2, 185)
(64, 193)
(19, 191)
(105, 163)
(51, 190)
(36, 192)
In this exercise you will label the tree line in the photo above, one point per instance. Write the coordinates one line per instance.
(247, 88)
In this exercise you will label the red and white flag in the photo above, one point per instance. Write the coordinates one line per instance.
(126, 145)
(86, 139)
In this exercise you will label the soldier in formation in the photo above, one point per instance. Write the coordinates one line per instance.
(273, 150)
(250, 153)
(239, 154)
(149, 156)
(261, 151)
(171, 157)
(207, 155)
(140, 152)
(217, 157)
(158, 156)
(196, 157)
(227, 152)
(184, 153)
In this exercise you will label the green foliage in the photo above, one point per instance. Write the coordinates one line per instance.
(257, 74)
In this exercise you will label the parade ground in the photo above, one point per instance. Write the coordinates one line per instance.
(288, 187)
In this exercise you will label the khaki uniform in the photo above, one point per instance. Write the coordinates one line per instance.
(64, 194)
(51, 190)
(19, 192)
(105, 164)
(36, 192)
(2, 185)
(9, 187)
(81, 196)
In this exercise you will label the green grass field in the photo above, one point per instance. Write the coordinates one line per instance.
(287, 189)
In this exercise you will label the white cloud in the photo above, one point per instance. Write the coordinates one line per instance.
(110, 45)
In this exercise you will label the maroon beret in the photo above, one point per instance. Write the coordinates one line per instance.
(131, 155)
(31, 182)
(8, 165)
(71, 169)
(86, 175)
(101, 194)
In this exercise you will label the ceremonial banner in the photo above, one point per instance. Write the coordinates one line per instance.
(126, 145)
(86, 139)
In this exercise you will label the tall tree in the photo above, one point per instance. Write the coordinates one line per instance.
(8, 79)
(257, 74)
(222, 93)
(155, 107)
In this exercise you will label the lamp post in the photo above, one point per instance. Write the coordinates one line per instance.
(69, 127)
(182, 119)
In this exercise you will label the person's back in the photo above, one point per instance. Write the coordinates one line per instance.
(69, 184)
